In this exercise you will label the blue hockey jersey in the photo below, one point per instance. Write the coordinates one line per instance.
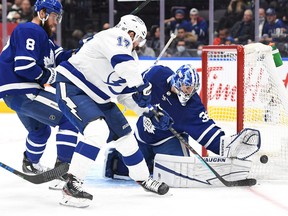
(191, 119)
(28, 52)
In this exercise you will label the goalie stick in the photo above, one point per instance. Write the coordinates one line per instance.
(244, 182)
(42, 177)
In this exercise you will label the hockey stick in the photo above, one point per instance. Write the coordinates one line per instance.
(143, 4)
(243, 182)
(40, 178)
(172, 37)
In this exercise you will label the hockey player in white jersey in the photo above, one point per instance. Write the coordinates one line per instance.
(176, 93)
(26, 64)
(105, 68)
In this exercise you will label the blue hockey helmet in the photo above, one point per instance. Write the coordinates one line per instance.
(186, 81)
(51, 6)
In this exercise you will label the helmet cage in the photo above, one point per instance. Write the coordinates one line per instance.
(51, 6)
(186, 76)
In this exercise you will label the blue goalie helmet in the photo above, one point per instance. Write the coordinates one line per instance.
(51, 6)
(186, 81)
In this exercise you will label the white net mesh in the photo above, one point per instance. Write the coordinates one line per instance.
(265, 103)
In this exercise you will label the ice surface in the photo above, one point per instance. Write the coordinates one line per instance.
(123, 198)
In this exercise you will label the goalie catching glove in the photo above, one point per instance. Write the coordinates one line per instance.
(160, 121)
(142, 96)
(241, 145)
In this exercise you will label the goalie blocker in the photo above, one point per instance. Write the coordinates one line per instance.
(182, 172)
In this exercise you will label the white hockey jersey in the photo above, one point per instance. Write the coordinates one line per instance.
(104, 67)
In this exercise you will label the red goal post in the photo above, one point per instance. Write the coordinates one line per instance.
(239, 69)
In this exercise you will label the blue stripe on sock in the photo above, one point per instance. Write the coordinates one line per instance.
(133, 159)
(87, 150)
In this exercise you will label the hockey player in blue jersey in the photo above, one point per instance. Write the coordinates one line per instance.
(26, 64)
(176, 93)
(106, 68)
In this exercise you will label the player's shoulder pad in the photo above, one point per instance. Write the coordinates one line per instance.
(117, 34)
(159, 71)
(32, 30)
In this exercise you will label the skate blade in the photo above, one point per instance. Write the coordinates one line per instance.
(57, 185)
(75, 202)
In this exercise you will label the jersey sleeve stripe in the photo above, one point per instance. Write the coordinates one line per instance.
(25, 67)
(24, 58)
(205, 132)
(212, 138)
(117, 59)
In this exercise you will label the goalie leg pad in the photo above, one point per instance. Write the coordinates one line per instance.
(242, 145)
(114, 166)
(186, 172)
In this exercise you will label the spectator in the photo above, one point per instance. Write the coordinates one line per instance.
(244, 31)
(181, 49)
(262, 21)
(145, 51)
(26, 12)
(199, 50)
(273, 27)
(198, 26)
(177, 21)
(105, 26)
(189, 38)
(233, 14)
(89, 31)
(222, 35)
(74, 41)
(229, 41)
(14, 12)
(154, 41)
(283, 13)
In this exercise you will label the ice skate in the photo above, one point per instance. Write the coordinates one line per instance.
(73, 193)
(32, 168)
(154, 186)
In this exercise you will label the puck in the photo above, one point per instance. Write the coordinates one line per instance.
(264, 159)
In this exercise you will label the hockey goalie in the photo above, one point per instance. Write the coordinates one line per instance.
(175, 94)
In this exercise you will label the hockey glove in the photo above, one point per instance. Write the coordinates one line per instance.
(142, 96)
(162, 120)
(48, 76)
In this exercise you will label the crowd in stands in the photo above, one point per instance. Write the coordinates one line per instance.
(235, 26)
(20, 11)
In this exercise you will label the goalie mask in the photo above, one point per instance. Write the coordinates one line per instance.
(51, 6)
(186, 82)
(133, 23)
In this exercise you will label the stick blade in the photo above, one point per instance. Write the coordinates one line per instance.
(244, 182)
(48, 175)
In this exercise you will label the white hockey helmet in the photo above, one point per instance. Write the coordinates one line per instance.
(133, 23)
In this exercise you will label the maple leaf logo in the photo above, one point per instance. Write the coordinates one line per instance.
(49, 61)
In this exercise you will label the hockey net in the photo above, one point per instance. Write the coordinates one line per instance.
(241, 89)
